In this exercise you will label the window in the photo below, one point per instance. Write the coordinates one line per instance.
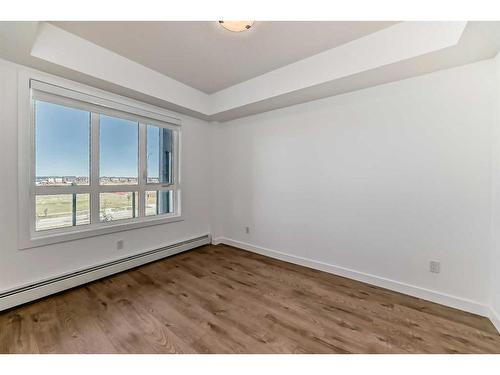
(159, 202)
(118, 206)
(159, 148)
(62, 145)
(119, 149)
(62, 210)
(98, 166)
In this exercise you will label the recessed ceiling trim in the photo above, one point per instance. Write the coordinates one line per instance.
(400, 42)
(396, 43)
(62, 48)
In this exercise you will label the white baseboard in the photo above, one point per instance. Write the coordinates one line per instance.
(217, 240)
(48, 287)
(495, 318)
(412, 290)
(28, 293)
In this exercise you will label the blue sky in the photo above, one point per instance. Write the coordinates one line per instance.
(63, 143)
(62, 140)
(119, 147)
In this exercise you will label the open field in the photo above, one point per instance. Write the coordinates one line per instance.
(56, 211)
(51, 206)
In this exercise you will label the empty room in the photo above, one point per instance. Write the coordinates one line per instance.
(295, 186)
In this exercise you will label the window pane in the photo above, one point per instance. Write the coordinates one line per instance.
(151, 199)
(62, 210)
(62, 138)
(82, 209)
(159, 202)
(119, 148)
(118, 206)
(159, 160)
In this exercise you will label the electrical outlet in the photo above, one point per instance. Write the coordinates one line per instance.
(435, 266)
(247, 230)
(119, 245)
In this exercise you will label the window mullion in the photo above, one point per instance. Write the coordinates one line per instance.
(142, 169)
(94, 169)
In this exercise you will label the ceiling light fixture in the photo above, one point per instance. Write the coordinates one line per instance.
(236, 26)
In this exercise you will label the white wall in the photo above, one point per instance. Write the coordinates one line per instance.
(19, 267)
(495, 254)
(378, 182)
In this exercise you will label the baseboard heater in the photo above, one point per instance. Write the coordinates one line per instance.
(31, 292)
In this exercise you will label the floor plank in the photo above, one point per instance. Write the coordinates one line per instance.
(219, 299)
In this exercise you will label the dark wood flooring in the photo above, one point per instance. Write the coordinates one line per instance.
(218, 299)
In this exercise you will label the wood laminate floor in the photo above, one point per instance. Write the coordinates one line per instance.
(218, 299)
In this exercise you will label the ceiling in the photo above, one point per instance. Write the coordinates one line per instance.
(209, 58)
(201, 70)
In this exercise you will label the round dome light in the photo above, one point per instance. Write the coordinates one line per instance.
(236, 26)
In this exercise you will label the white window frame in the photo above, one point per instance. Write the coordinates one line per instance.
(33, 87)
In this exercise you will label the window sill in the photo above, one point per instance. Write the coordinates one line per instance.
(86, 231)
